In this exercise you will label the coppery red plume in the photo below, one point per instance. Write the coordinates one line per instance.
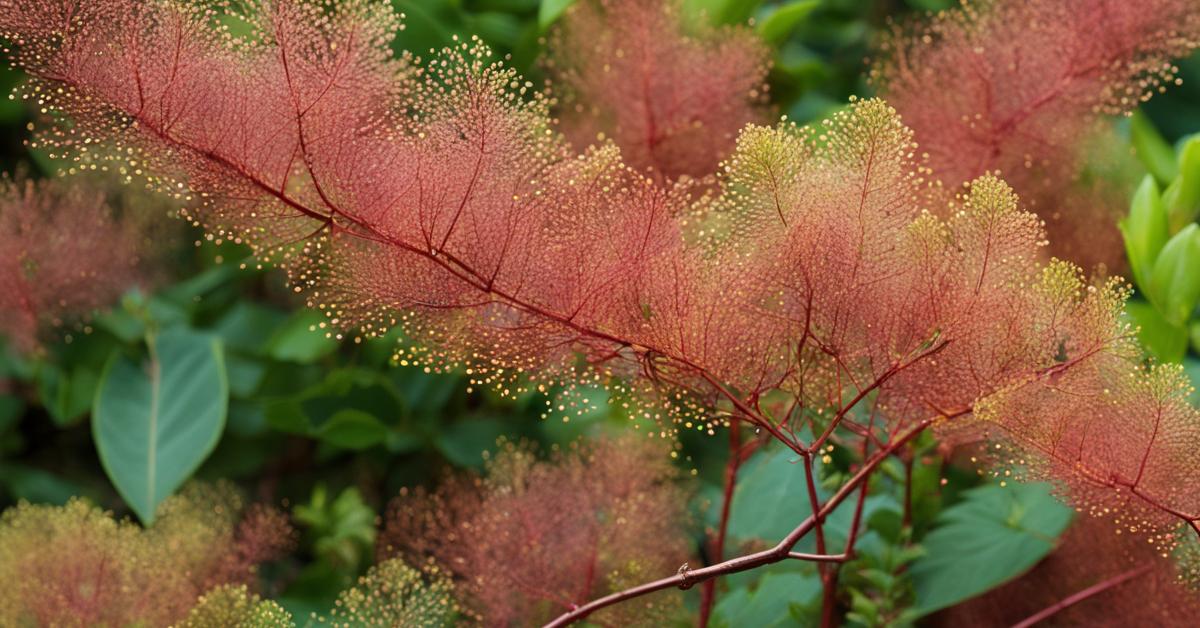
(533, 539)
(1022, 88)
(831, 267)
(62, 256)
(671, 93)
(468, 220)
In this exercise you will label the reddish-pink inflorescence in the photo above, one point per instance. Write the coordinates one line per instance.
(75, 565)
(1023, 87)
(533, 539)
(669, 89)
(820, 286)
(62, 256)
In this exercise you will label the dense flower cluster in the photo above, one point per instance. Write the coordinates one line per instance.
(234, 606)
(672, 94)
(531, 538)
(394, 594)
(76, 565)
(1022, 88)
(62, 255)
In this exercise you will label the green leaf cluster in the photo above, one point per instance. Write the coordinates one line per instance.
(1162, 240)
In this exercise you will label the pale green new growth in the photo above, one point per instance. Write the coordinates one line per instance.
(235, 607)
(394, 594)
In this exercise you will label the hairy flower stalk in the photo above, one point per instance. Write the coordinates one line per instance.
(818, 291)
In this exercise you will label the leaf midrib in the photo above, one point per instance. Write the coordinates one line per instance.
(152, 450)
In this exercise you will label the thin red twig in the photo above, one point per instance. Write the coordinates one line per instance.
(1076, 598)
(708, 594)
(685, 578)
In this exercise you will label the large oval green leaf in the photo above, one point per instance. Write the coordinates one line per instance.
(155, 422)
(994, 535)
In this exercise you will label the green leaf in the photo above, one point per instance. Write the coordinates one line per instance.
(994, 535)
(12, 110)
(66, 395)
(186, 293)
(301, 339)
(932, 5)
(11, 409)
(36, 485)
(780, 23)
(288, 416)
(1166, 342)
(463, 442)
(1175, 283)
(497, 29)
(429, 25)
(343, 530)
(1152, 150)
(1182, 197)
(722, 11)
(770, 602)
(245, 374)
(247, 326)
(155, 422)
(1145, 231)
(551, 10)
(771, 497)
(352, 429)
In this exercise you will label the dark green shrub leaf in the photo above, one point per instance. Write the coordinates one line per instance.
(994, 535)
(463, 442)
(155, 422)
(352, 429)
(770, 602)
(779, 24)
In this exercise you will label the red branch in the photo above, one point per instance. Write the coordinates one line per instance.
(686, 579)
(736, 457)
(1091, 591)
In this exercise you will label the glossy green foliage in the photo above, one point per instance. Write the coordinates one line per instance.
(157, 418)
(1162, 240)
(994, 535)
